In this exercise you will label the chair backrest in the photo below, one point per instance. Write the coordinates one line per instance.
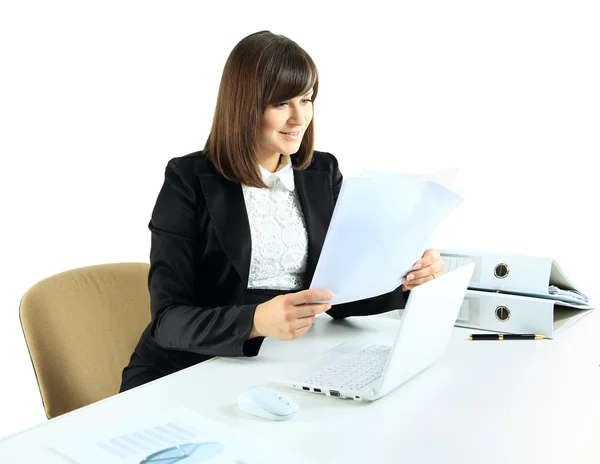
(81, 327)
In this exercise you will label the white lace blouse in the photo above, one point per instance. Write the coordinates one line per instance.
(278, 231)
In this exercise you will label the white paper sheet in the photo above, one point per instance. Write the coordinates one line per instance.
(167, 436)
(380, 226)
(446, 177)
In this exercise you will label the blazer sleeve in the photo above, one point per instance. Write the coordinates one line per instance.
(370, 306)
(176, 245)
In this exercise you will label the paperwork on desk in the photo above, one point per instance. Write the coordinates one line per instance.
(381, 225)
(166, 436)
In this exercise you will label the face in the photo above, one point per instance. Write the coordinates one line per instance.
(283, 126)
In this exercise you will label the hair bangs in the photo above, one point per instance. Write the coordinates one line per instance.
(293, 76)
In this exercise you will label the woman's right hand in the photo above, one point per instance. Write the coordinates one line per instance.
(289, 316)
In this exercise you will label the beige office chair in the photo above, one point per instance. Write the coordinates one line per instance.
(81, 327)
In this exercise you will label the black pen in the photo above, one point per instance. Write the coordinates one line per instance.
(505, 337)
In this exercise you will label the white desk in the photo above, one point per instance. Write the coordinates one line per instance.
(483, 402)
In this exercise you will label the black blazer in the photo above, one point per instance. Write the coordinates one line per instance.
(200, 261)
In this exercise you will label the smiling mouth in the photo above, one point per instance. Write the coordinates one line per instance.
(292, 136)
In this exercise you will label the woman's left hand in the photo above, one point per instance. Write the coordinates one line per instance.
(425, 269)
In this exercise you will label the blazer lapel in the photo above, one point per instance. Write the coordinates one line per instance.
(227, 208)
(316, 200)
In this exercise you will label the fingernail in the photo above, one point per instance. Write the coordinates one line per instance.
(329, 296)
(410, 277)
(416, 266)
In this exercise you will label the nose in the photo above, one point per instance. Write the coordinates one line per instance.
(297, 116)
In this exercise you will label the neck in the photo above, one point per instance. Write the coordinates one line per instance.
(271, 162)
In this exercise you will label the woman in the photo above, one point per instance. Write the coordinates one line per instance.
(237, 228)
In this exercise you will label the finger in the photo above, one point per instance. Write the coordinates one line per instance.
(302, 322)
(412, 276)
(435, 268)
(413, 283)
(430, 256)
(308, 296)
(303, 311)
(302, 331)
(424, 262)
(300, 318)
(433, 252)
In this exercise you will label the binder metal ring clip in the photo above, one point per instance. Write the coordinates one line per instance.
(502, 313)
(501, 270)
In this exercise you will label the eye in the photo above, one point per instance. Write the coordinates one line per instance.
(283, 104)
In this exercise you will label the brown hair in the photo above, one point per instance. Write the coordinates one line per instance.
(262, 69)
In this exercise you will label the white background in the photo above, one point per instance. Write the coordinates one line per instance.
(96, 97)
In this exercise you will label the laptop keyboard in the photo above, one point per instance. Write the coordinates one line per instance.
(354, 372)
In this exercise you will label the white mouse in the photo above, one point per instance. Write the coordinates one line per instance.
(267, 403)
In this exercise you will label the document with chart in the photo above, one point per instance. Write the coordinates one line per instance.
(168, 436)
(380, 226)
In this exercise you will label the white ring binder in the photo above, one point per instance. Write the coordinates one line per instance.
(517, 294)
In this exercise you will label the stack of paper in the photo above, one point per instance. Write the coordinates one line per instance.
(166, 436)
(381, 225)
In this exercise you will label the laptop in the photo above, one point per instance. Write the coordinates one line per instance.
(368, 372)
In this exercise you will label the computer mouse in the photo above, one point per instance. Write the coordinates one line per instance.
(267, 403)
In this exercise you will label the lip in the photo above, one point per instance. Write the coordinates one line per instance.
(292, 135)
